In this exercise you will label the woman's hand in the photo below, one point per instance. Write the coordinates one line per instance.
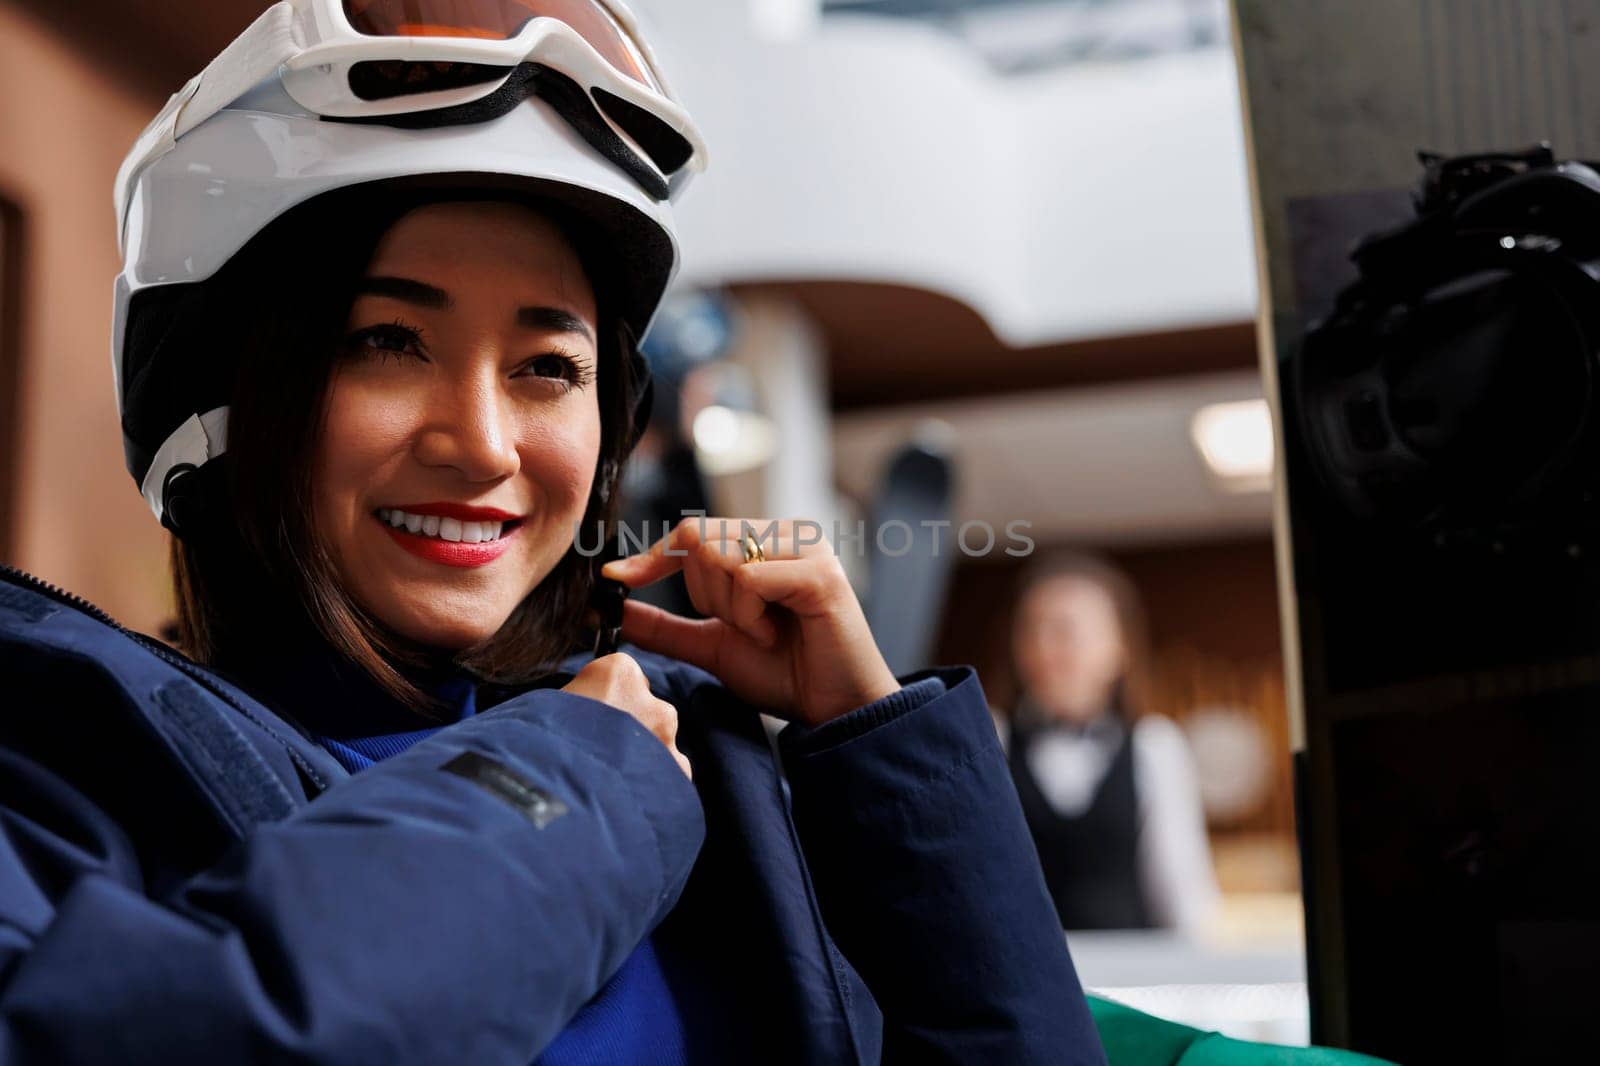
(618, 680)
(785, 633)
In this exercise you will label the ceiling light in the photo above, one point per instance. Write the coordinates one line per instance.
(728, 441)
(1235, 440)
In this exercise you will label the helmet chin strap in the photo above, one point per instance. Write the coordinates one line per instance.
(198, 440)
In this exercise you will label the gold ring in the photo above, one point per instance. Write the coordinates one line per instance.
(753, 552)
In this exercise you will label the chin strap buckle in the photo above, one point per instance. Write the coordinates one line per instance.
(182, 502)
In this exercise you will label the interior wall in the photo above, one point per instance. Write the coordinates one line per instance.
(12, 242)
(78, 521)
(1218, 598)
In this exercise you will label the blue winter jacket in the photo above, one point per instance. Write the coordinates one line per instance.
(186, 877)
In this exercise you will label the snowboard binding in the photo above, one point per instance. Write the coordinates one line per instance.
(1453, 387)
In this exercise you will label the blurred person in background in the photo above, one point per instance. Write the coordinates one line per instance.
(1109, 789)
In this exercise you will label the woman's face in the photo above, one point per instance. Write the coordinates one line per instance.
(462, 427)
(1068, 646)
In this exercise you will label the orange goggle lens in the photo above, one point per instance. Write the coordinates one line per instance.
(499, 20)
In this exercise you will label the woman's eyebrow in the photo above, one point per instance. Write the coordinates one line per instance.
(551, 319)
(554, 319)
(408, 290)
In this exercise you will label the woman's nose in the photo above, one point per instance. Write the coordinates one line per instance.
(469, 429)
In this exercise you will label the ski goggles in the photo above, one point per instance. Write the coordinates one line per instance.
(428, 62)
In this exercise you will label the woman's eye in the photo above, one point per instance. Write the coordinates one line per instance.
(550, 366)
(557, 366)
(387, 340)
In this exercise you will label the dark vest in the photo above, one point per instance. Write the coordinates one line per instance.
(1091, 862)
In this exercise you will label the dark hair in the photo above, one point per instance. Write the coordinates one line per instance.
(256, 564)
(1130, 698)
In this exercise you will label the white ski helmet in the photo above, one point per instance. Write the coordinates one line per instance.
(560, 98)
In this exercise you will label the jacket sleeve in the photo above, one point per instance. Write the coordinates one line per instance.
(930, 883)
(456, 903)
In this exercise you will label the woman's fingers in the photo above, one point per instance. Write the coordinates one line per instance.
(715, 593)
(711, 556)
(747, 609)
(696, 581)
(801, 585)
(723, 549)
(708, 643)
(759, 674)
(786, 632)
(666, 556)
(618, 680)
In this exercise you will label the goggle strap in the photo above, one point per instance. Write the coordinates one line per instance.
(574, 104)
(566, 96)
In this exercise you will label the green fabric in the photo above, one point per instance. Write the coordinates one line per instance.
(1133, 1038)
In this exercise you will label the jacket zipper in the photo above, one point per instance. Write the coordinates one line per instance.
(60, 595)
(21, 577)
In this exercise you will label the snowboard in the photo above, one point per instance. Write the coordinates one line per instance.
(1445, 684)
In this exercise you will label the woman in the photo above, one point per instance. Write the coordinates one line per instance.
(1109, 793)
(384, 267)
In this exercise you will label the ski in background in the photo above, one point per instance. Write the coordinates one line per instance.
(912, 546)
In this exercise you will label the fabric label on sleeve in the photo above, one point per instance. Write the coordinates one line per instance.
(540, 807)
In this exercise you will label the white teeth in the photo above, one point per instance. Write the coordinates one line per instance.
(452, 529)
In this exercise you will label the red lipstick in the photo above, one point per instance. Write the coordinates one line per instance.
(450, 552)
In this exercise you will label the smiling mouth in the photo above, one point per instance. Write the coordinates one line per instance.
(444, 540)
(443, 528)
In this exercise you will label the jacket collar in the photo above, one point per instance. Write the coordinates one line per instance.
(306, 680)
